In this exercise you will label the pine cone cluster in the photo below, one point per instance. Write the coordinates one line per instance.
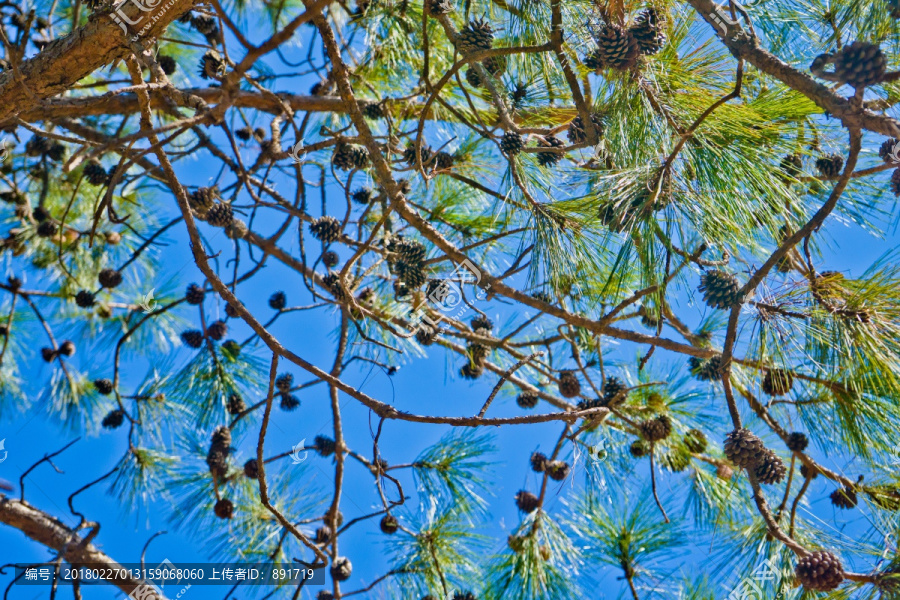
(830, 165)
(859, 64)
(202, 200)
(407, 261)
(616, 48)
(576, 132)
(819, 571)
(706, 369)
(720, 289)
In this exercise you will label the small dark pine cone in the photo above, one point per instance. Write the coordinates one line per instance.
(103, 386)
(202, 200)
(859, 64)
(656, 429)
(807, 474)
(40, 214)
(526, 501)
(323, 535)
(389, 524)
(333, 283)
(231, 311)
(695, 441)
(440, 7)
(830, 165)
(289, 402)
(409, 154)
(224, 508)
(844, 498)
(425, 334)
(477, 35)
(57, 152)
(48, 354)
(677, 459)
(549, 159)
(527, 399)
(220, 215)
(648, 31)
(797, 441)
(638, 449)
(791, 165)
(211, 65)
(37, 146)
(443, 160)
(114, 419)
(167, 63)
(706, 369)
(236, 404)
(404, 186)
(614, 391)
(538, 462)
(576, 132)
(557, 470)
(777, 382)
(471, 371)
(341, 569)
(330, 259)
(771, 470)
(473, 78)
(109, 278)
(363, 195)
(889, 150)
(244, 133)
(482, 322)
(569, 386)
(465, 595)
(720, 289)
(95, 173)
(192, 338)
(511, 143)
(46, 229)
(347, 157)
(616, 48)
(324, 445)
(373, 110)
(326, 229)
(84, 299)
(744, 449)
(819, 571)
(217, 330)
(231, 348)
(284, 382)
(67, 348)
(278, 301)
(194, 294)
(251, 469)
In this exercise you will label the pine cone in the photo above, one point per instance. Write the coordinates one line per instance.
(220, 215)
(373, 110)
(639, 449)
(511, 143)
(236, 404)
(236, 230)
(202, 200)
(224, 508)
(797, 442)
(648, 31)
(576, 132)
(192, 338)
(744, 449)
(37, 146)
(791, 165)
(614, 391)
(110, 278)
(527, 399)
(217, 330)
(895, 182)
(251, 469)
(706, 369)
(557, 470)
(830, 165)
(194, 294)
(695, 441)
(278, 301)
(819, 571)
(549, 159)
(477, 35)
(363, 196)
(232, 349)
(67, 348)
(341, 569)
(844, 498)
(167, 63)
(656, 429)
(347, 157)
(720, 289)
(526, 501)
(326, 229)
(771, 469)
(289, 402)
(569, 386)
(889, 149)
(538, 462)
(425, 334)
(389, 524)
(440, 7)
(777, 382)
(211, 65)
(324, 445)
(84, 299)
(333, 284)
(114, 419)
(323, 535)
(859, 64)
(104, 386)
(616, 48)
